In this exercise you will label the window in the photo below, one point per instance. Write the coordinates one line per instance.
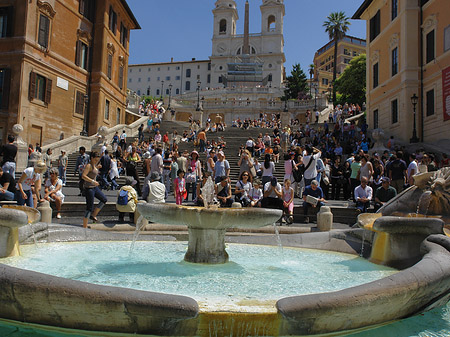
(157, 92)
(86, 8)
(123, 35)
(40, 88)
(394, 111)
(148, 79)
(375, 75)
(167, 78)
(394, 60)
(118, 116)
(140, 69)
(131, 70)
(159, 69)
(270, 78)
(198, 67)
(5, 81)
(139, 80)
(82, 55)
(208, 78)
(149, 69)
(188, 73)
(430, 102)
(375, 26)
(209, 66)
(220, 79)
(120, 81)
(158, 78)
(6, 15)
(430, 46)
(198, 77)
(177, 92)
(106, 110)
(324, 81)
(130, 80)
(112, 20)
(139, 92)
(223, 26)
(271, 23)
(167, 91)
(79, 103)
(394, 9)
(109, 71)
(346, 61)
(375, 119)
(347, 52)
(187, 86)
(177, 78)
(44, 30)
(168, 68)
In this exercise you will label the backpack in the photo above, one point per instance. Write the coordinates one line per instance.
(123, 198)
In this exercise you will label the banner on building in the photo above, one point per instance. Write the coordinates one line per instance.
(446, 93)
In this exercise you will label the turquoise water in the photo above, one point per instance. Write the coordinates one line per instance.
(156, 266)
(254, 270)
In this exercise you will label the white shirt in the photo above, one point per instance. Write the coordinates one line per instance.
(311, 172)
(363, 192)
(267, 186)
(156, 192)
(157, 164)
(412, 167)
(31, 177)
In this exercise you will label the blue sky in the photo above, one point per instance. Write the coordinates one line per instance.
(182, 29)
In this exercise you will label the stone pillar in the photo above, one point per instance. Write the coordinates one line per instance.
(10, 221)
(22, 149)
(46, 211)
(206, 246)
(324, 219)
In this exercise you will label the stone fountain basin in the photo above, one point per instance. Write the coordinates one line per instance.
(209, 218)
(28, 296)
(15, 216)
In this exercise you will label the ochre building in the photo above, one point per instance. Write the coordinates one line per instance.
(63, 66)
(408, 55)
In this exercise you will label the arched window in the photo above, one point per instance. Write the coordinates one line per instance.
(177, 92)
(188, 85)
(157, 92)
(238, 52)
(271, 23)
(253, 50)
(223, 26)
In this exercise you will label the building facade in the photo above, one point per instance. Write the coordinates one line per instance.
(62, 66)
(408, 55)
(266, 47)
(348, 48)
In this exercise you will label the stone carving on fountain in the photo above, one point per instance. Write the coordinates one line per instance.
(208, 193)
(378, 137)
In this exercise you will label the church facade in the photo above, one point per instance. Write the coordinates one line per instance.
(266, 48)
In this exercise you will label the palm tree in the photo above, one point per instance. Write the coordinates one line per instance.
(311, 73)
(336, 26)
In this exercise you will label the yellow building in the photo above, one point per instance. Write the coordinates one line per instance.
(408, 54)
(63, 66)
(348, 48)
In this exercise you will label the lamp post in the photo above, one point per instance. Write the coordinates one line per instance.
(198, 95)
(414, 100)
(170, 95)
(330, 93)
(162, 89)
(84, 131)
(316, 86)
(148, 91)
(285, 96)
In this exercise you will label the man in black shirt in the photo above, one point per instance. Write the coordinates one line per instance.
(7, 186)
(9, 151)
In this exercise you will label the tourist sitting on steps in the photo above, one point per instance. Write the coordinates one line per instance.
(53, 190)
(363, 196)
(272, 195)
(223, 192)
(312, 197)
(7, 186)
(127, 199)
(154, 190)
(384, 193)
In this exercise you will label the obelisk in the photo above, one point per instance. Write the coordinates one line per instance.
(246, 47)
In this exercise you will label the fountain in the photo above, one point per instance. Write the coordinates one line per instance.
(422, 282)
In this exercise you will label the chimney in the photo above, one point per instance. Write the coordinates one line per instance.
(171, 60)
(193, 59)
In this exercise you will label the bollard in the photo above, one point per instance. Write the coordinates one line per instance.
(324, 219)
(46, 211)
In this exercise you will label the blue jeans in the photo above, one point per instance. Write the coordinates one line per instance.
(7, 195)
(90, 194)
(10, 167)
(29, 200)
(307, 206)
(62, 174)
(104, 180)
(362, 206)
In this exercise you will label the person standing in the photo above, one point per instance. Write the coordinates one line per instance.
(46, 157)
(157, 164)
(167, 166)
(221, 167)
(132, 165)
(202, 140)
(91, 189)
(413, 168)
(397, 171)
(141, 133)
(9, 152)
(105, 167)
(82, 160)
(354, 181)
(245, 162)
(123, 140)
(62, 166)
(180, 187)
(310, 162)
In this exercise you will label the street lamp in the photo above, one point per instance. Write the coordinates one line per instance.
(170, 95)
(285, 96)
(316, 86)
(330, 93)
(162, 89)
(414, 100)
(199, 83)
(84, 131)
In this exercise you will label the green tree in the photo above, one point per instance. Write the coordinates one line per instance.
(352, 82)
(296, 83)
(336, 26)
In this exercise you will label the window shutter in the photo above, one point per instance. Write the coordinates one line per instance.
(82, 7)
(79, 103)
(44, 30)
(109, 66)
(6, 88)
(9, 29)
(48, 91)
(78, 53)
(121, 77)
(32, 86)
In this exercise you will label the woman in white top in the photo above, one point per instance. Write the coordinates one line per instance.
(53, 190)
(30, 177)
(243, 187)
(268, 169)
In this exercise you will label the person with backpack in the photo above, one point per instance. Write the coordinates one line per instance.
(127, 199)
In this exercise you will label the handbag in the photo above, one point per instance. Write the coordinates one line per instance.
(325, 180)
(253, 171)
